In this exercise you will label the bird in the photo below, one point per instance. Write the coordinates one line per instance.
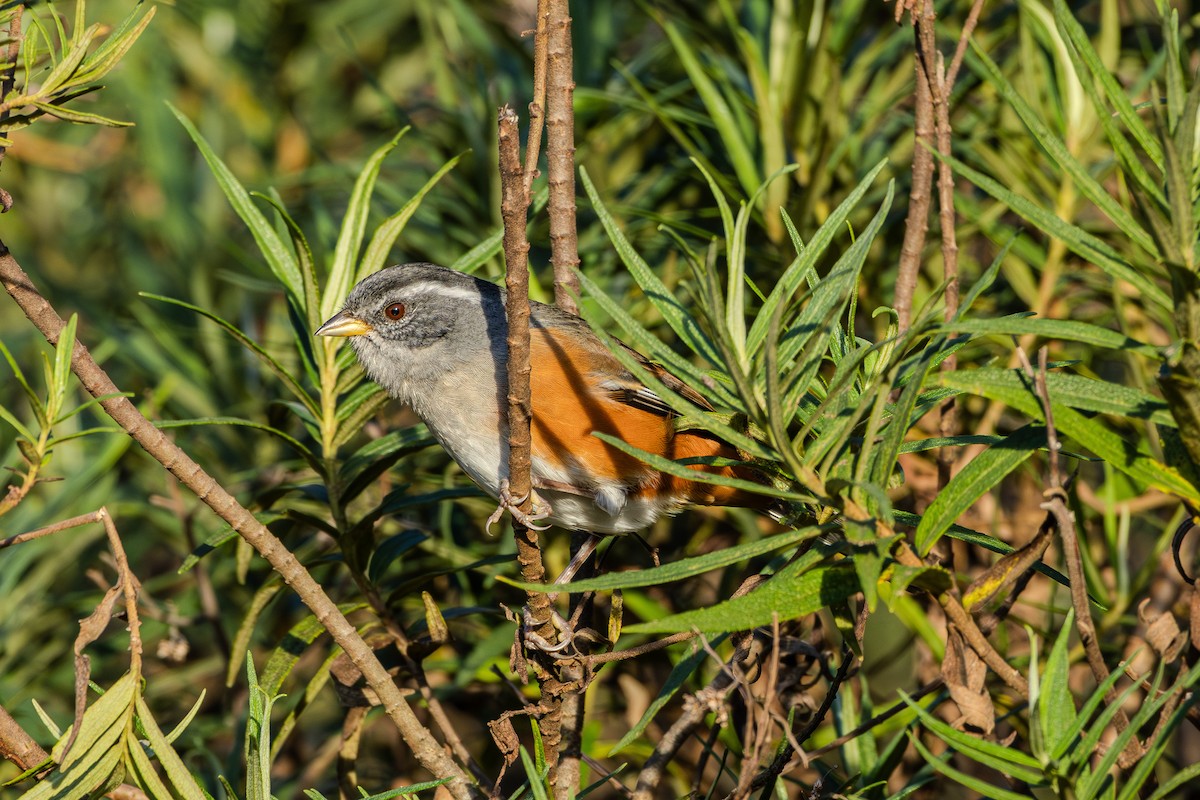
(436, 339)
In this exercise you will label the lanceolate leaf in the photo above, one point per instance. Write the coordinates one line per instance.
(1057, 149)
(1067, 330)
(1013, 387)
(718, 109)
(975, 480)
(342, 272)
(656, 291)
(687, 568)
(790, 593)
(279, 257)
(1122, 453)
(679, 674)
(1078, 240)
(386, 234)
(268, 361)
(807, 258)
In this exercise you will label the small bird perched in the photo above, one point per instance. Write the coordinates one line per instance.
(436, 340)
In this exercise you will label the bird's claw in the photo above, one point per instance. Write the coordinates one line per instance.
(510, 503)
(568, 639)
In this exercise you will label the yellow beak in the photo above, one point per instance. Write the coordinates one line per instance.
(343, 324)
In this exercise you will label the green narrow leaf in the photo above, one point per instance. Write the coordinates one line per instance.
(17, 425)
(678, 570)
(115, 46)
(387, 233)
(141, 769)
(1008, 760)
(846, 270)
(104, 723)
(1075, 238)
(683, 471)
(1075, 33)
(71, 60)
(182, 782)
(664, 300)
(1056, 705)
(60, 375)
(285, 655)
(1067, 330)
(296, 444)
(535, 774)
(308, 274)
(807, 257)
(35, 401)
(722, 116)
(987, 278)
(674, 682)
(258, 737)
(1013, 387)
(942, 765)
(1122, 453)
(342, 271)
(653, 347)
(789, 594)
(268, 361)
(281, 261)
(81, 117)
(1088, 186)
(975, 479)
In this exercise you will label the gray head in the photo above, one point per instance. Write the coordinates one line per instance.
(416, 322)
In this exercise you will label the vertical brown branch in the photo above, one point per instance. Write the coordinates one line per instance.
(917, 223)
(940, 96)
(8, 79)
(560, 156)
(1056, 503)
(516, 257)
(537, 106)
(567, 722)
(513, 209)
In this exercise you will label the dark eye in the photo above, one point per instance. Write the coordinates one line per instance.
(394, 311)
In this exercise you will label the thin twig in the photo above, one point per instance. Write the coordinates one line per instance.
(694, 711)
(767, 777)
(537, 106)
(940, 96)
(1056, 503)
(8, 80)
(96, 381)
(73, 522)
(876, 720)
(916, 224)
(130, 586)
(964, 39)
(560, 156)
(641, 649)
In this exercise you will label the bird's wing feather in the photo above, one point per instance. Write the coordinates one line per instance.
(610, 375)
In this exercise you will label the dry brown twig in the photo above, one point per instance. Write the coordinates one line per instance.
(537, 106)
(15, 744)
(1056, 503)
